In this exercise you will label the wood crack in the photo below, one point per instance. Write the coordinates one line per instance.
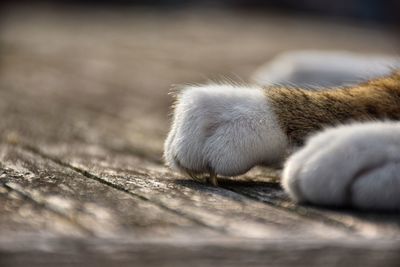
(94, 177)
(11, 187)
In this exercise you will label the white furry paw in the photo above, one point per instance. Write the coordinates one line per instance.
(356, 165)
(223, 129)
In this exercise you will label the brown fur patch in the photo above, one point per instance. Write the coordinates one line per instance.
(301, 112)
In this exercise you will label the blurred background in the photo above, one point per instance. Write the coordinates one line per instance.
(385, 11)
(99, 71)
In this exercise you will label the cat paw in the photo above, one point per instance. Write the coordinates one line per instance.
(224, 130)
(356, 165)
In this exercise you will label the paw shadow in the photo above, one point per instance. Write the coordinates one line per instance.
(236, 188)
(228, 183)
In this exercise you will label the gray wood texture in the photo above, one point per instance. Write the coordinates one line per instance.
(84, 111)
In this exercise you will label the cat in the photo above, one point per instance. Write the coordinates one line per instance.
(340, 146)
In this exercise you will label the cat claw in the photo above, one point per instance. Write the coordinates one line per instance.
(194, 177)
(211, 179)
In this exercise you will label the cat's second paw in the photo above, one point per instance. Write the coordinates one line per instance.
(223, 129)
(356, 165)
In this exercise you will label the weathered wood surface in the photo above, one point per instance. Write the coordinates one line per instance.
(84, 110)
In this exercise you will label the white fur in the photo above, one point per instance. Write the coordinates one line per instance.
(225, 129)
(316, 69)
(356, 165)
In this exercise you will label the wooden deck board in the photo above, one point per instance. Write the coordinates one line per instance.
(96, 208)
(223, 210)
(52, 251)
(84, 110)
(20, 215)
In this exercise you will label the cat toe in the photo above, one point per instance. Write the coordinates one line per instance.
(377, 188)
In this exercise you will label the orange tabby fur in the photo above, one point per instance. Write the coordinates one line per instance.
(302, 112)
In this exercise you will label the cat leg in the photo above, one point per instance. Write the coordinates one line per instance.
(223, 130)
(355, 165)
(319, 70)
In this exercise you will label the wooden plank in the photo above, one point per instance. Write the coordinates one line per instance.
(96, 208)
(368, 224)
(218, 208)
(20, 214)
(260, 184)
(35, 251)
(275, 250)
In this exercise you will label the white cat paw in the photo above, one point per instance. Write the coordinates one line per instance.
(356, 165)
(223, 129)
